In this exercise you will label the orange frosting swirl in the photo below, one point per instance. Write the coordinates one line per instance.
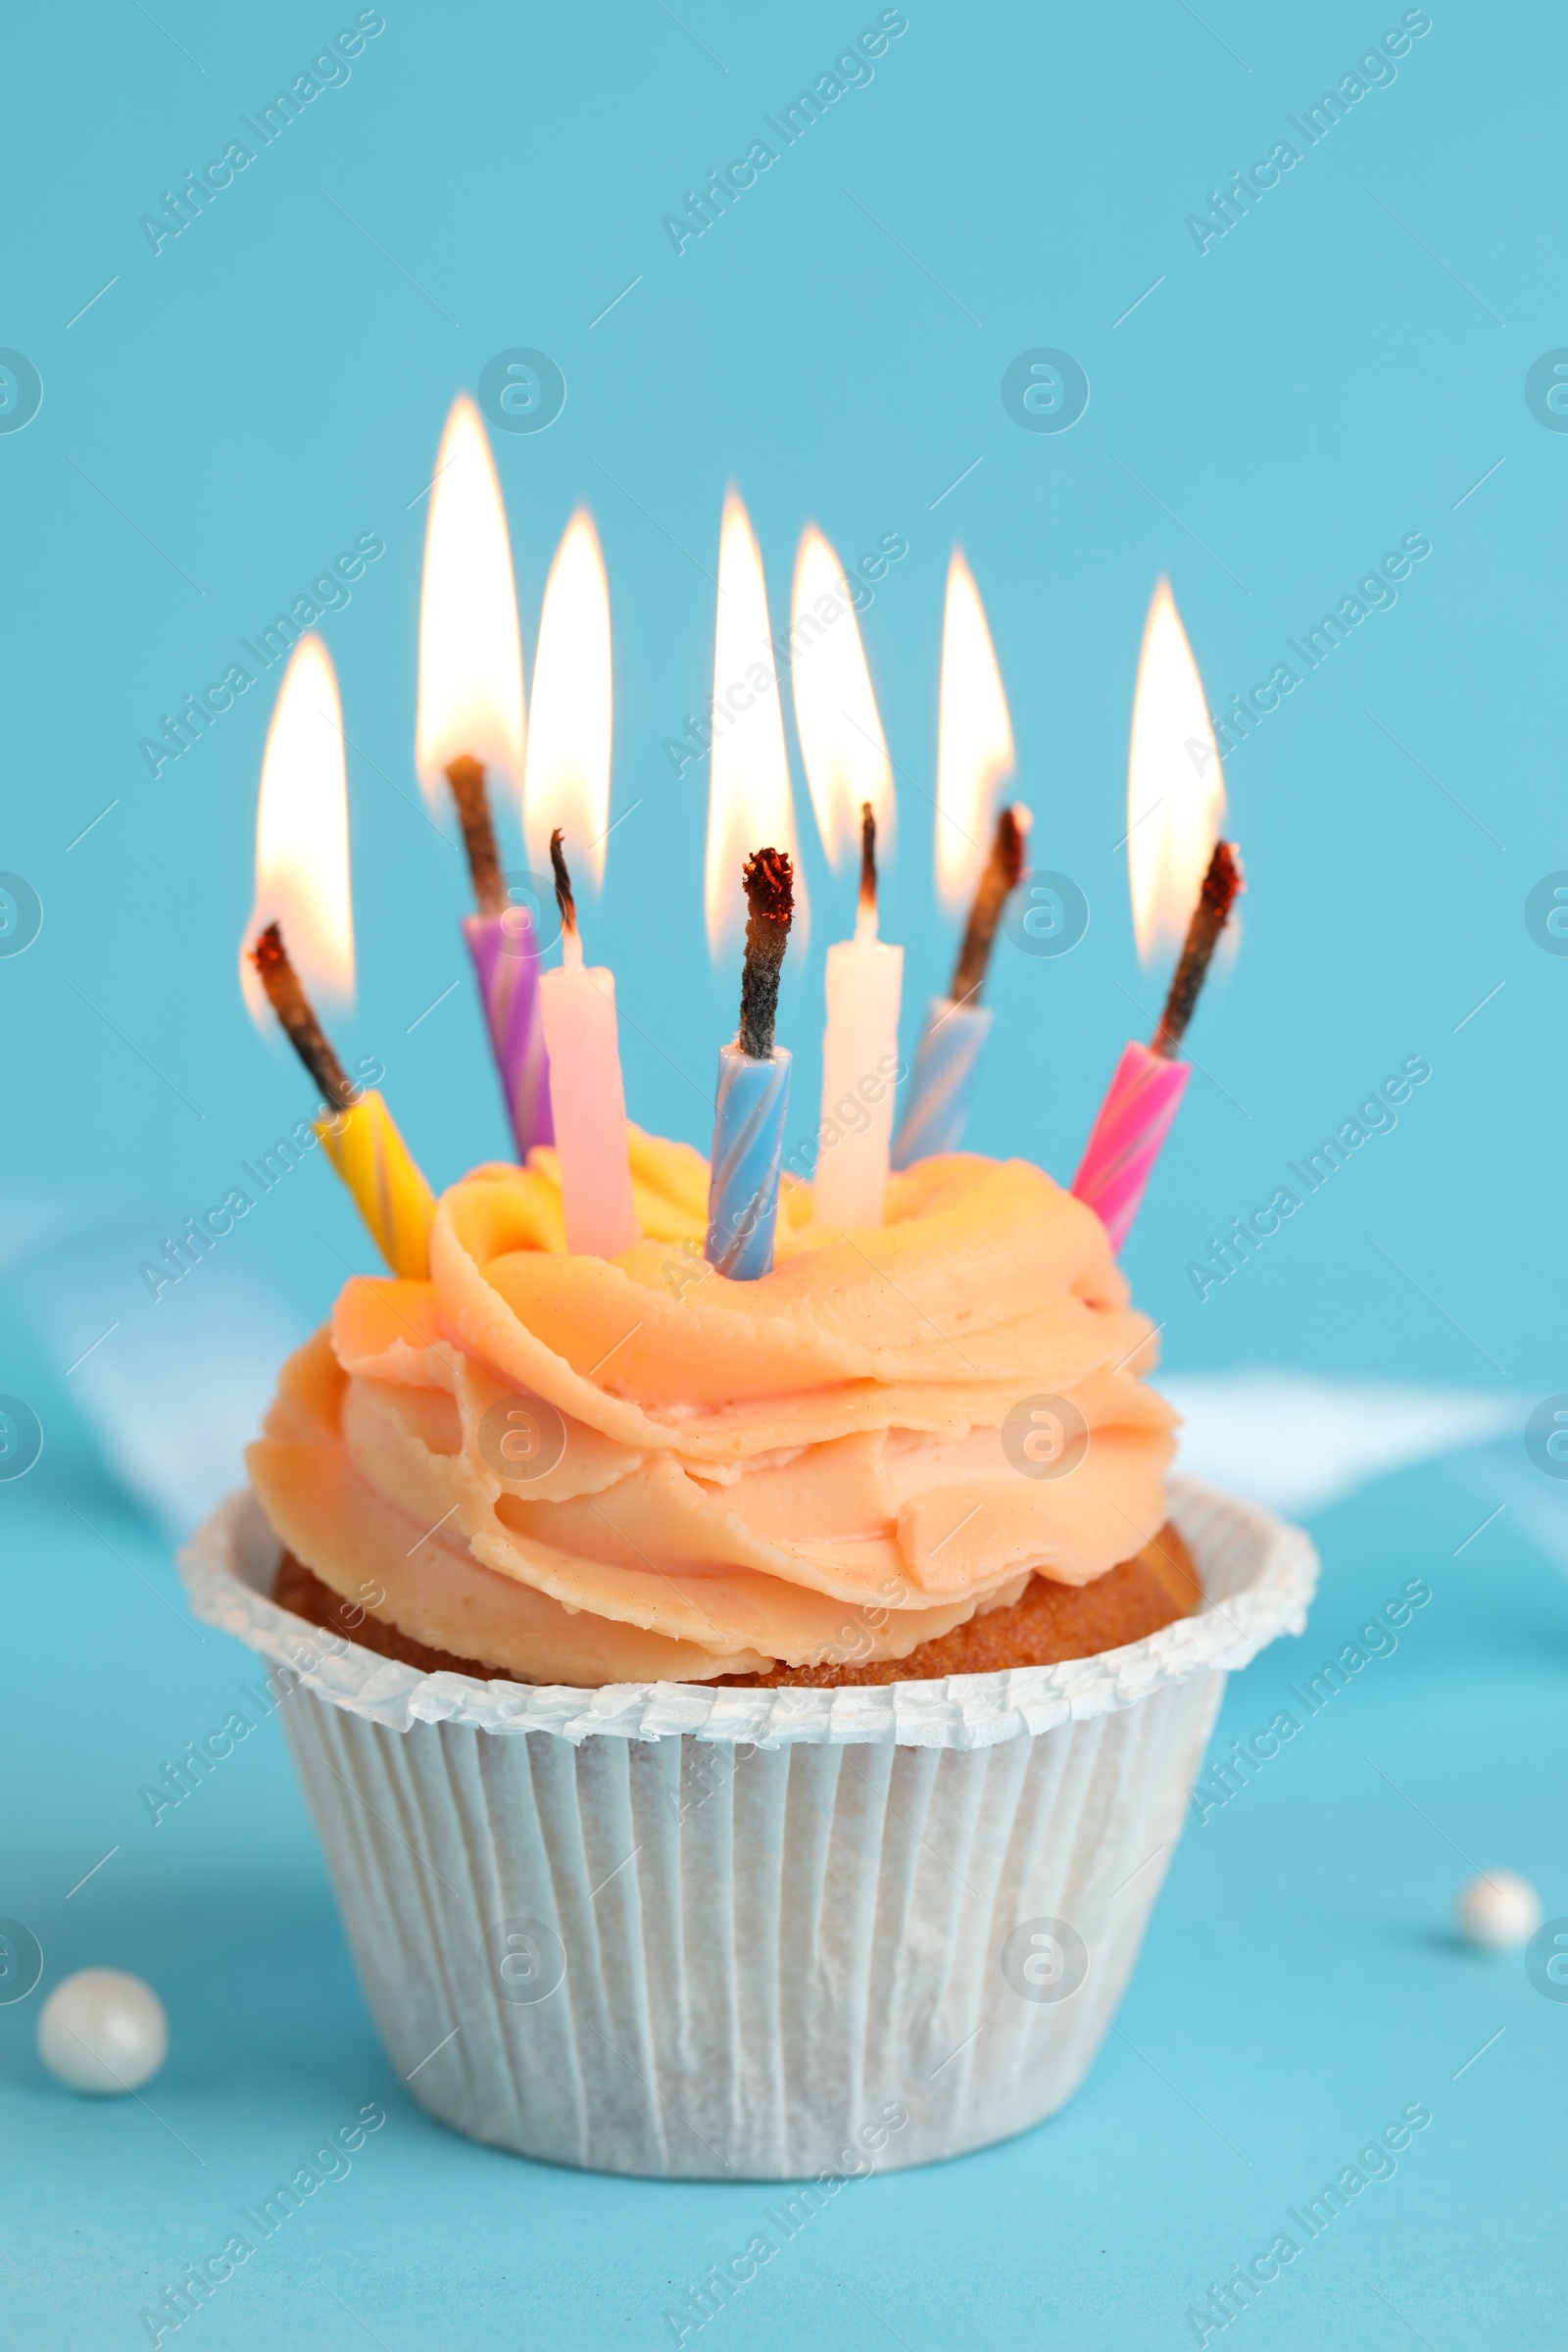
(806, 1468)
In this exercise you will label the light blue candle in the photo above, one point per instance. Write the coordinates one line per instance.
(748, 1150)
(937, 1105)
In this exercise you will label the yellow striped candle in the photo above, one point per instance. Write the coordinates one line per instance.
(388, 1187)
(302, 885)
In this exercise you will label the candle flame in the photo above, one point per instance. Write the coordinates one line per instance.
(974, 740)
(470, 654)
(302, 836)
(567, 781)
(1175, 784)
(841, 743)
(750, 804)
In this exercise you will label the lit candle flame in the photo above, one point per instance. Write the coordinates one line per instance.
(568, 782)
(1175, 784)
(841, 743)
(750, 805)
(302, 837)
(974, 740)
(470, 654)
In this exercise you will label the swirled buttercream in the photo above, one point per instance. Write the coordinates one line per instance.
(806, 1468)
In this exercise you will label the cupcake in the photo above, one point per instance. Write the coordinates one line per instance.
(735, 1712)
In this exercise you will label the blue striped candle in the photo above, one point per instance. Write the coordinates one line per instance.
(748, 1150)
(937, 1105)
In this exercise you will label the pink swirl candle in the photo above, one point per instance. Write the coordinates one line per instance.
(1134, 1121)
(1141, 1099)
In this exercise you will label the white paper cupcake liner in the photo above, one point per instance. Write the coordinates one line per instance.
(755, 1934)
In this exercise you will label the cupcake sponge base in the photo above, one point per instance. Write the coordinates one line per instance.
(1048, 1624)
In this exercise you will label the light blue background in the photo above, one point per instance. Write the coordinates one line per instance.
(1338, 370)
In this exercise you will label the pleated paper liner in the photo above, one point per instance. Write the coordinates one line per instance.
(755, 1934)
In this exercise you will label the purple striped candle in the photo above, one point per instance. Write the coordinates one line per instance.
(506, 960)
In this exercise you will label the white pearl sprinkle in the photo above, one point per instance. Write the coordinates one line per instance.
(103, 2031)
(1499, 1911)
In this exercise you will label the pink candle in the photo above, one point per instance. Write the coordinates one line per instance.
(1134, 1121)
(1141, 1099)
(587, 1098)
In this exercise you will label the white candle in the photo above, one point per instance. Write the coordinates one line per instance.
(859, 1065)
(850, 777)
(588, 1103)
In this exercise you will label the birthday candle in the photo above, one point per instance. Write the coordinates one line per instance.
(754, 1085)
(505, 950)
(470, 721)
(936, 1107)
(975, 752)
(566, 787)
(302, 891)
(860, 1057)
(1175, 802)
(587, 1095)
(748, 796)
(1145, 1092)
(362, 1136)
(851, 780)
